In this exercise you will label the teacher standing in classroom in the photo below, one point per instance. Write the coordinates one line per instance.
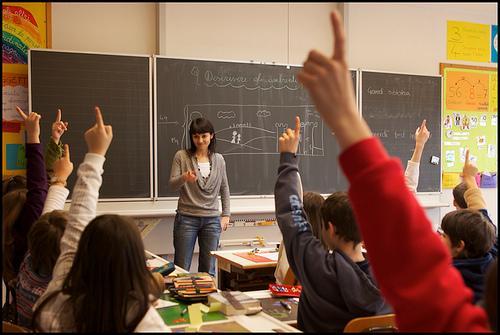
(199, 174)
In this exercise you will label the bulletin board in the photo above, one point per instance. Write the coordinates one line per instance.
(469, 119)
(25, 25)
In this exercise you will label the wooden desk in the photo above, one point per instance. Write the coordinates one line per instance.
(240, 274)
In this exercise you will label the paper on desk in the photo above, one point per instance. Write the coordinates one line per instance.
(155, 263)
(160, 303)
(270, 255)
(214, 307)
(194, 311)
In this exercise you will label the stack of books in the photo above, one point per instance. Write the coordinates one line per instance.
(235, 303)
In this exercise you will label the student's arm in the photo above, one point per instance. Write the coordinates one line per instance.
(412, 168)
(473, 196)
(177, 177)
(54, 149)
(58, 193)
(305, 253)
(411, 263)
(84, 198)
(225, 197)
(36, 182)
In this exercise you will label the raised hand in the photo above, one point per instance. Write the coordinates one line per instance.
(329, 83)
(31, 124)
(58, 127)
(469, 169)
(98, 137)
(189, 176)
(289, 140)
(63, 166)
(422, 134)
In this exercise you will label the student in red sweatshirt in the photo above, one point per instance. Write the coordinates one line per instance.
(411, 264)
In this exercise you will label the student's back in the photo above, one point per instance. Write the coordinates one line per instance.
(100, 281)
(335, 289)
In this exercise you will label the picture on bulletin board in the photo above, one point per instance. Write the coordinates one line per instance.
(470, 120)
(25, 25)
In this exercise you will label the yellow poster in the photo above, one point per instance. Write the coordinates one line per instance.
(494, 92)
(25, 25)
(450, 180)
(468, 41)
(467, 91)
(470, 119)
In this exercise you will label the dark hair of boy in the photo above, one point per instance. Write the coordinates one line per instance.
(491, 297)
(337, 210)
(201, 126)
(472, 228)
(109, 265)
(312, 206)
(458, 195)
(12, 183)
(44, 240)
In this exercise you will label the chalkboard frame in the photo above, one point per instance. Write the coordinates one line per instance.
(150, 114)
(360, 101)
(155, 115)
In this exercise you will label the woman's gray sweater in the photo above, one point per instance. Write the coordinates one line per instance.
(200, 198)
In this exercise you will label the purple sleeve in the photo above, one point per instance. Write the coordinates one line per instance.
(35, 198)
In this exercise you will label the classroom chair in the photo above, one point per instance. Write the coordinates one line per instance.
(372, 324)
(8, 327)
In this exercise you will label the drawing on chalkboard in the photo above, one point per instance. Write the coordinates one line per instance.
(242, 130)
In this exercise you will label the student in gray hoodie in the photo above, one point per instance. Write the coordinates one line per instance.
(336, 286)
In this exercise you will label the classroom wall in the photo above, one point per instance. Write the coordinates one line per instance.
(387, 37)
(411, 38)
(128, 28)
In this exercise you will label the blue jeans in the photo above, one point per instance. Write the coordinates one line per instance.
(186, 230)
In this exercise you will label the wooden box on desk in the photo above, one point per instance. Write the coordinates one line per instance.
(249, 304)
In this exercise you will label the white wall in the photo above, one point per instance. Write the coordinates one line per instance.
(397, 37)
(411, 38)
(128, 28)
(264, 32)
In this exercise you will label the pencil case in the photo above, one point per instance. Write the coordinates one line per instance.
(192, 287)
(279, 290)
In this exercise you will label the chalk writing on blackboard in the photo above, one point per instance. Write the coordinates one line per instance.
(259, 81)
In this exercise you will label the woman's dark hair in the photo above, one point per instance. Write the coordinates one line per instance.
(44, 239)
(108, 284)
(201, 126)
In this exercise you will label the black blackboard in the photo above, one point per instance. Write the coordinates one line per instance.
(250, 105)
(121, 86)
(394, 105)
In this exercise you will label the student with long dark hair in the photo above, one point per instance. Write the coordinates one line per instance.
(199, 174)
(100, 282)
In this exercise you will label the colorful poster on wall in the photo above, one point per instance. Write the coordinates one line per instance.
(25, 25)
(468, 41)
(494, 44)
(470, 119)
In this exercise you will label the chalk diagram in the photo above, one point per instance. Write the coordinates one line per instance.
(255, 129)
